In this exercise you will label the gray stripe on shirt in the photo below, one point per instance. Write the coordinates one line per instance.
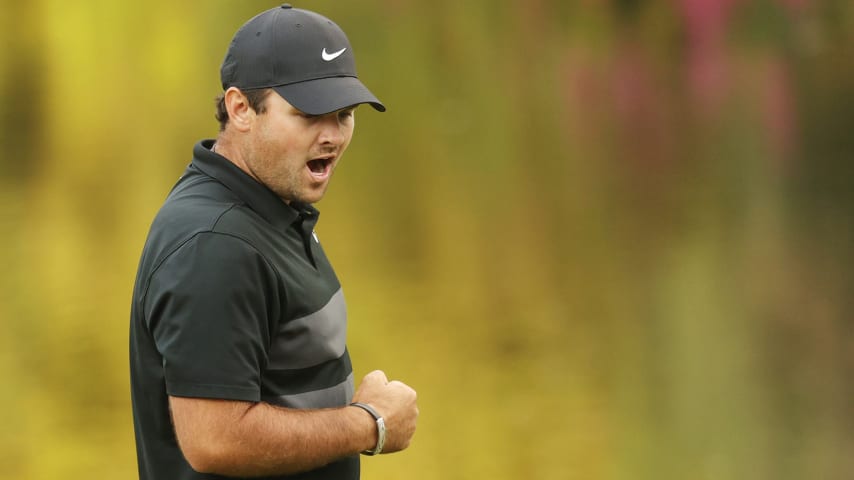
(336, 396)
(313, 339)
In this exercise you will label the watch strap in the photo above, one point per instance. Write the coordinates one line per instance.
(380, 427)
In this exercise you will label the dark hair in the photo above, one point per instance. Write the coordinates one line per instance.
(256, 98)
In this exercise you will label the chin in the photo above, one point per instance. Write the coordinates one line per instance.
(312, 196)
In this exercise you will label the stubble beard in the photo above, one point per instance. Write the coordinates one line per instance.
(292, 186)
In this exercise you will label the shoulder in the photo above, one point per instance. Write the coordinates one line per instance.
(198, 229)
(210, 267)
(221, 254)
(196, 205)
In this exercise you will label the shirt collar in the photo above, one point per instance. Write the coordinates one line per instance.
(257, 196)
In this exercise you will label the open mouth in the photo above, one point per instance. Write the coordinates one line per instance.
(319, 166)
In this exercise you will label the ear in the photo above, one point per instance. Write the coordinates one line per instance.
(240, 114)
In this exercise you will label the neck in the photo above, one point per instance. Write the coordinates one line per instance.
(224, 147)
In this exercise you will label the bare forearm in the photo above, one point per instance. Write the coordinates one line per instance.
(275, 440)
(247, 439)
(268, 440)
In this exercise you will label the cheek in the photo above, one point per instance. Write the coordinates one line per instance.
(348, 136)
(278, 143)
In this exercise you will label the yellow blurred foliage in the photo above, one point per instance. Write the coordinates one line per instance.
(603, 240)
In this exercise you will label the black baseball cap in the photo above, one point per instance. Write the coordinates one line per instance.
(302, 55)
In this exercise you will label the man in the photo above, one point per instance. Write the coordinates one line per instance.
(237, 343)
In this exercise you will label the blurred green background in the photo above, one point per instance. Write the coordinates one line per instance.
(602, 239)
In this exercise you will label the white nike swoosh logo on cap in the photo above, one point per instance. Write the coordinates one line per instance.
(331, 56)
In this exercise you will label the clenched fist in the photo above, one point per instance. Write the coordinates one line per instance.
(396, 403)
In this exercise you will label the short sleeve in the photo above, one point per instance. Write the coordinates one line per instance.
(209, 308)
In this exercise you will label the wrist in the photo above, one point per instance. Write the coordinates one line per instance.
(380, 428)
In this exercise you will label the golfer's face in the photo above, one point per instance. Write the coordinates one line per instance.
(294, 154)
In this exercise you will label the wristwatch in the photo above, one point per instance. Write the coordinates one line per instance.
(380, 428)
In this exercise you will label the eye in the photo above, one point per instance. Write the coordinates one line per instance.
(346, 114)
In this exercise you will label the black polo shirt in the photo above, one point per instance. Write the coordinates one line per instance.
(234, 299)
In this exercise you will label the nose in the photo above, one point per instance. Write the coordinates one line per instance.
(332, 132)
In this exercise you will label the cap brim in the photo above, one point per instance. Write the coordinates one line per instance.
(325, 95)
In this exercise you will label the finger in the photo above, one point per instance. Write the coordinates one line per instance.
(377, 376)
(399, 384)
